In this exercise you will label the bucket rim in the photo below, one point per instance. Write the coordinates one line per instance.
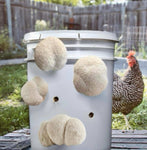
(32, 37)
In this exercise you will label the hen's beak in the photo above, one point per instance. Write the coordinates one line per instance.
(131, 62)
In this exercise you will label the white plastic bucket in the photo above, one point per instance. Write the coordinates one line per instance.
(60, 83)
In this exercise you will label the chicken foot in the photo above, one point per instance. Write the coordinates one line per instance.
(127, 125)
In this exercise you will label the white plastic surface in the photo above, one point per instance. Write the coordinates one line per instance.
(71, 102)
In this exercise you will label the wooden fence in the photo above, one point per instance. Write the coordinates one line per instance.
(26, 12)
(128, 20)
(117, 16)
(135, 38)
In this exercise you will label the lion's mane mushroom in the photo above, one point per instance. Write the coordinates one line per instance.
(43, 137)
(90, 75)
(62, 129)
(33, 92)
(75, 132)
(56, 127)
(50, 54)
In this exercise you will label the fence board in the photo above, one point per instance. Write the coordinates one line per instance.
(128, 20)
(2, 16)
(26, 13)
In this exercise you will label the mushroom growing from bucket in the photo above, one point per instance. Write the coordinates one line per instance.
(90, 75)
(33, 92)
(50, 54)
(62, 129)
(43, 137)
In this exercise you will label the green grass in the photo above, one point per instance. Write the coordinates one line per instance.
(13, 112)
(12, 78)
(13, 117)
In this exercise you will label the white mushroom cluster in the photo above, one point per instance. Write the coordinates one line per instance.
(50, 54)
(33, 92)
(62, 129)
(90, 75)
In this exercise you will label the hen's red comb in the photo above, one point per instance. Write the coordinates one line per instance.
(131, 53)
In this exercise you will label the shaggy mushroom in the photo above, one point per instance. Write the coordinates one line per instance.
(55, 128)
(75, 132)
(90, 75)
(63, 129)
(33, 92)
(43, 137)
(50, 54)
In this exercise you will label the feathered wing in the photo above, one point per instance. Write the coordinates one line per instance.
(119, 94)
(128, 90)
(117, 88)
(127, 94)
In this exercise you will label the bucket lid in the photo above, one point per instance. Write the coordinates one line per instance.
(70, 34)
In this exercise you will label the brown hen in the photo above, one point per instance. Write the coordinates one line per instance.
(128, 90)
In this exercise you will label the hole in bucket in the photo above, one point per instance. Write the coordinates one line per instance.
(91, 115)
(56, 99)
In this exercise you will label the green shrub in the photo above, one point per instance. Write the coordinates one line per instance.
(13, 118)
(61, 2)
(12, 78)
(41, 25)
(8, 50)
(4, 40)
(142, 54)
(13, 113)
(122, 51)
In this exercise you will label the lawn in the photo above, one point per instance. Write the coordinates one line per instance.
(14, 113)
(13, 116)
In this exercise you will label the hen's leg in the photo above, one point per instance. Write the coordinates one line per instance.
(127, 126)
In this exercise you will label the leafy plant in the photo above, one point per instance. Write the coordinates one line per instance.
(120, 51)
(13, 118)
(76, 2)
(41, 25)
(12, 79)
(10, 50)
(93, 2)
(13, 113)
(142, 50)
(4, 41)
(63, 2)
